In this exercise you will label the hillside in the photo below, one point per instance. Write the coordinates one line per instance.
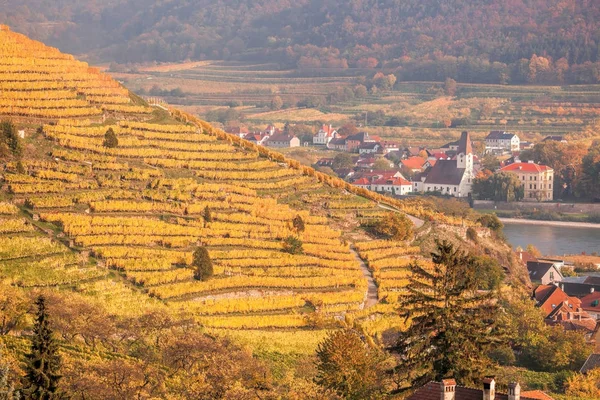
(309, 34)
(108, 231)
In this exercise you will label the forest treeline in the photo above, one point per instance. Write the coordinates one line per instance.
(513, 41)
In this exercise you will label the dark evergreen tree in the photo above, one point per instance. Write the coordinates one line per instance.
(110, 139)
(202, 264)
(207, 215)
(43, 362)
(298, 223)
(452, 325)
(9, 138)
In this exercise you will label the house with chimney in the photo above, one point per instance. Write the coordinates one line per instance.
(500, 142)
(564, 310)
(580, 285)
(537, 180)
(453, 177)
(447, 389)
(544, 272)
(325, 135)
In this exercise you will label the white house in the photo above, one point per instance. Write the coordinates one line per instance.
(500, 142)
(282, 140)
(325, 135)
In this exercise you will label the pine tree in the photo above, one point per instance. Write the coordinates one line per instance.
(9, 138)
(452, 325)
(7, 389)
(207, 215)
(44, 362)
(202, 264)
(110, 139)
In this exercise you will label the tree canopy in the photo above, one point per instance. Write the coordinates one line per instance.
(452, 324)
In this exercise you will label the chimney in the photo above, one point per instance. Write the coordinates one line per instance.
(489, 388)
(448, 388)
(514, 391)
(591, 290)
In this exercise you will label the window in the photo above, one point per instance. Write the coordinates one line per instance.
(530, 186)
(455, 189)
(549, 186)
(552, 275)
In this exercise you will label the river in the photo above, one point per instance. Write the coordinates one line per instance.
(553, 240)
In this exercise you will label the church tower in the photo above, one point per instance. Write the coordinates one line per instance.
(464, 154)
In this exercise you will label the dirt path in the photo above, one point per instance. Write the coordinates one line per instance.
(418, 222)
(371, 298)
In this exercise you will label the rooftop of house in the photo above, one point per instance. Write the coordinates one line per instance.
(439, 155)
(525, 167)
(592, 362)
(591, 302)
(500, 135)
(415, 162)
(392, 181)
(549, 297)
(369, 146)
(447, 389)
(281, 137)
(338, 141)
(362, 181)
(537, 269)
(445, 172)
(525, 256)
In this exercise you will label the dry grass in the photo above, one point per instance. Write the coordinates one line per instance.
(298, 115)
(175, 67)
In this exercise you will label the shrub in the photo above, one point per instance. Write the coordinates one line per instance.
(472, 234)
(292, 245)
(395, 226)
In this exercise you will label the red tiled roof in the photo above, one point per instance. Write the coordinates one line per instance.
(439, 154)
(414, 162)
(587, 301)
(525, 167)
(362, 181)
(536, 394)
(556, 297)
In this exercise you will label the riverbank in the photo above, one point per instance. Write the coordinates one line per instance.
(549, 223)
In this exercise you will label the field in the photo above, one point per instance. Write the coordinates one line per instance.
(424, 115)
(118, 223)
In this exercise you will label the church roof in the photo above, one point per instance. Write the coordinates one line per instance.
(445, 172)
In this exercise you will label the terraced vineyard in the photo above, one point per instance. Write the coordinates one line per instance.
(39, 81)
(120, 223)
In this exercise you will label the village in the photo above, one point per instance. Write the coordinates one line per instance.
(385, 167)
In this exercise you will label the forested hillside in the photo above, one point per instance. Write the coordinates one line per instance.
(472, 40)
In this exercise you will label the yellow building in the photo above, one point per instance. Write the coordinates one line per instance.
(537, 180)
